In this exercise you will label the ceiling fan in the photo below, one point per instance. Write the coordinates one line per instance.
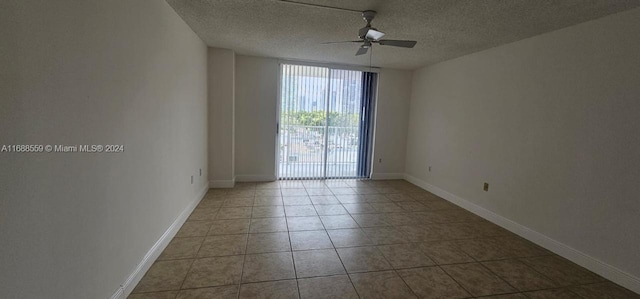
(369, 36)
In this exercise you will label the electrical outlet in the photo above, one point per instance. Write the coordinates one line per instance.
(191, 180)
(486, 187)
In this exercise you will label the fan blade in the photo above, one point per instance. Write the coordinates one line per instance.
(398, 43)
(347, 41)
(362, 51)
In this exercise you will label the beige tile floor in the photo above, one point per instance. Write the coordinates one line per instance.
(354, 239)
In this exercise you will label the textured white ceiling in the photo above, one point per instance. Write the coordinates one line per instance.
(444, 29)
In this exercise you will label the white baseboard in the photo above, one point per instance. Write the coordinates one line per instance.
(222, 184)
(601, 268)
(387, 176)
(119, 294)
(154, 252)
(256, 178)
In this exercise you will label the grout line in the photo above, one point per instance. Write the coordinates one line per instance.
(501, 294)
(341, 262)
(451, 276)
(369, 245)
(377, 271)
(498, 276)
(244, 256)
(192, 262)
(553, 280)
(188, 271)
(405, 283)
(455, 280)
(293, 260)
(393, 269)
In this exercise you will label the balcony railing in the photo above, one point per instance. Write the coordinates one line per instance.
(304, 150)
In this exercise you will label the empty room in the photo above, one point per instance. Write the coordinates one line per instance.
(320, 149)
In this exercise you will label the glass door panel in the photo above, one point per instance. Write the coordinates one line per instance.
(320, 123)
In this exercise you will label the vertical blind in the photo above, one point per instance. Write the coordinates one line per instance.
(322, 122)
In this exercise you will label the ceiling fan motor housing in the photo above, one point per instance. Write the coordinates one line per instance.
(368, 16)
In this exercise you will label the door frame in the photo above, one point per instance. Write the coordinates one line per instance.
(277, 124)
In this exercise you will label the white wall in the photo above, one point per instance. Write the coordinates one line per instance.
(75, 225)
(394, 93)
(221, 90)
(256, 103)
(551, 123)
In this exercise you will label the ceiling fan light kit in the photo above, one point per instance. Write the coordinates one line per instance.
(374, 34)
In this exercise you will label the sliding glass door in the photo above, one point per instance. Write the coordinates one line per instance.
(325, 123)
